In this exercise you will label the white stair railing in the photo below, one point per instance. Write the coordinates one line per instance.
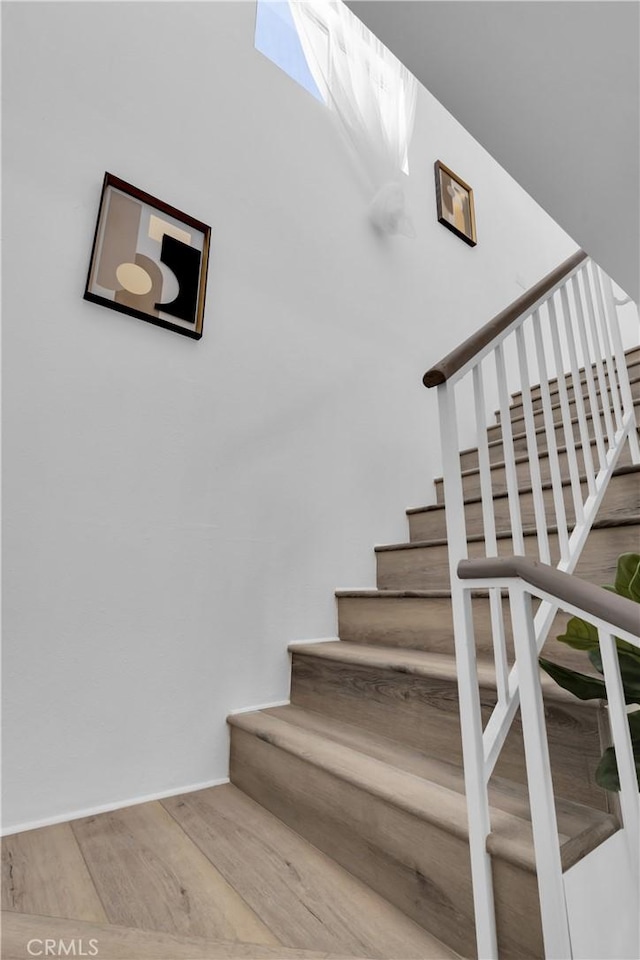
(612, 616)
(565, 327)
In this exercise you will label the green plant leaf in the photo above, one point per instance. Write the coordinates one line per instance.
(634, 584)
(627, 582)
(634, 727)
(607, 771)
(580, 635)
(628, 648)
(580, 685)
(629, 673)
(596, 659)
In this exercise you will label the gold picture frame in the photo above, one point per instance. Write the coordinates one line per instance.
(455, 205)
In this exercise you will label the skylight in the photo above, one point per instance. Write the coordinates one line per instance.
(277, 38)
(324, 47)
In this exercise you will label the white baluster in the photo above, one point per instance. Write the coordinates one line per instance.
(452, 476)
(490, 540)
(621, 739)
(567, 427)
(621, 364)
(509, 456)
(479, 817)
(608, 357)
(484, 464)
(598, 356)
(532, 448)
(553, 911)
(468, 690)
(588, 368)
(577, 393)
(552, 441)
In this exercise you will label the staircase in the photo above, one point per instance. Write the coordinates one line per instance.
(366, 761)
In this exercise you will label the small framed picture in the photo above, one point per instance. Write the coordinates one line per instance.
(454, 200)
(148, 259)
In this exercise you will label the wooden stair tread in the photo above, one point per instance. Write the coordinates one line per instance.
(582, 371)
(322, 795)
(423, 799)
(399, 594)
(382, 594)
(629, 354)
(600, 524)
(546, 485)
(125, 943)
(554, 407)
(390, 773)
(558, 405)
(448, 775)
(539, 431)
(573, 819)
(419, 663)
(522, 458)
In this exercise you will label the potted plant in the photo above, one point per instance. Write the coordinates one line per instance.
(581, 635)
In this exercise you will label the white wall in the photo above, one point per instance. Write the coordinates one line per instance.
(176, 512)
(601, 892)
(565, 122)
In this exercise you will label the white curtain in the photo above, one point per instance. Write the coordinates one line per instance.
(373, 97)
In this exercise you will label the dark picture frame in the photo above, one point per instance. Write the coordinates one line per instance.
(455, 206)
(148, 260)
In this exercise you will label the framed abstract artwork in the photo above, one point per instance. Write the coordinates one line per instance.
(148, 259)
(455, 207)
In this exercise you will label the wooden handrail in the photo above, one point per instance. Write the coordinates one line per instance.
(445, 369)
(601, 603)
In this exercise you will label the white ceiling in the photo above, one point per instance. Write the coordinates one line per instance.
(551, 88)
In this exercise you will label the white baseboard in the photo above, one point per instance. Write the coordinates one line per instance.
(300, 643)
(260, 706)
(107, 807)
(133, 801)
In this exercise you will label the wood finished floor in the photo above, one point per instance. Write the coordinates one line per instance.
(209, 874)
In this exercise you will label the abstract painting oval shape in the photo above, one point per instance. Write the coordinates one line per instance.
(134, 278)
(149, 259)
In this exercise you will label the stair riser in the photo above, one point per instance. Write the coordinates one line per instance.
(431, 525)
(518, 426)
(426, 568)
(471, 483)
(621, 499)
(419, 867)
(469, 459)
(426, 623)
(518, 409)
(422, 712)
(517, 412)
(633, 368)
(536, 396)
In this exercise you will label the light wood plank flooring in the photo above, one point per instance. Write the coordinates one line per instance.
(204, 875)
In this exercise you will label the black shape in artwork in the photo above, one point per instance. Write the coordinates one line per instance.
(184, 261)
